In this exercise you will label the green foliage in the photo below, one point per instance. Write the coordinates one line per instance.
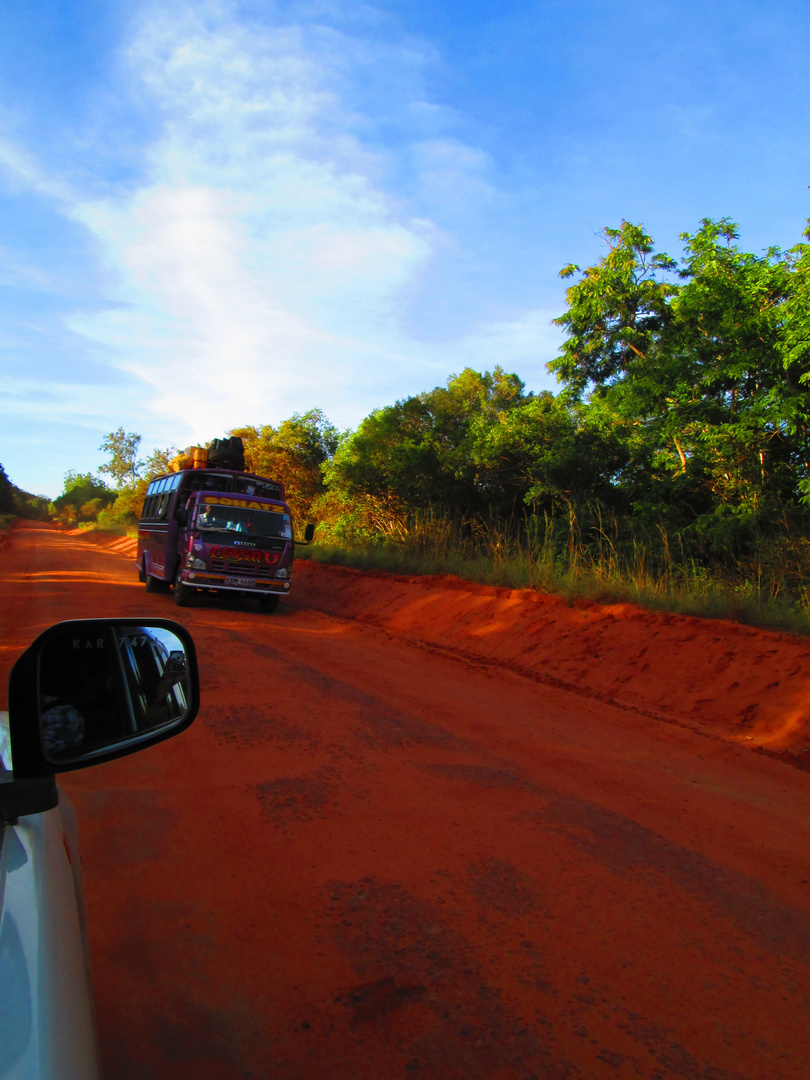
(86, 498)
(83, 495)
(6, 493)
(14, 502)
(549, 454)
(739, 418)
(126, 509)
(617, 314)
(422, 451)
(31, 507)
(358, 519)
(123, 465)
(711, 370)
(157, 463)
(295, 452)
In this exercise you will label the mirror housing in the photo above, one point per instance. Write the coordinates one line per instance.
(181, 515)
(309, 532)
(91, 690)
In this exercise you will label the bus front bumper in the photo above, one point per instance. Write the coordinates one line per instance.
(233, 583)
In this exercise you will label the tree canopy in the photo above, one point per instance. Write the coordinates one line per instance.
(83, 497)
(707, 358)
(122, 448)
(6, 493)
(295, 452)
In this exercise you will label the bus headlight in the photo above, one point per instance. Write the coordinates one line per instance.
(283, 573)
(195, 564)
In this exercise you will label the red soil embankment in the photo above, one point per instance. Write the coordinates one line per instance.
(111, 541)
(736, 682)
(728, 680)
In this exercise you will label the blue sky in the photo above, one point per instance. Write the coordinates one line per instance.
(220, 213)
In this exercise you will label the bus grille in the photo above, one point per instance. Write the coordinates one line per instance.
(242, 569)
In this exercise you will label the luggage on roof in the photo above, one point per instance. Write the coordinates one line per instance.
(227, 454)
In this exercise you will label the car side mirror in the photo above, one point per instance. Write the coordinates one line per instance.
(92, 690)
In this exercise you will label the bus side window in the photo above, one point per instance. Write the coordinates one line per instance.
(147, 503)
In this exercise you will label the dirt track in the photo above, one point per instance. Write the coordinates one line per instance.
(442, 831)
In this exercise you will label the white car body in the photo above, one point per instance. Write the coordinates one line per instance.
(66, 712)
(47, 1021)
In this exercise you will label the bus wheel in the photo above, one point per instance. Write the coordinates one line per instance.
(182, 593)
(268, 603)
(154, 584)
(142, 572)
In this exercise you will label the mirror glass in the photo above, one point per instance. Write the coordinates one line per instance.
(106, 683)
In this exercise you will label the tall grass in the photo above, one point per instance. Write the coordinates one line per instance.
(601, 558)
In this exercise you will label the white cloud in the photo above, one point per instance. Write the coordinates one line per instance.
(259, 265)
(259, 268)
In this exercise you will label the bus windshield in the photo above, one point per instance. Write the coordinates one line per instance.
(249, 524)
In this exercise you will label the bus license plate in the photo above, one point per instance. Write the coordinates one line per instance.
(240, 582)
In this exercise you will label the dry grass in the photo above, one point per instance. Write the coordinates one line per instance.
(596, 559)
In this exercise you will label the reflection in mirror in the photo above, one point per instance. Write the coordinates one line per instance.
(104, 684)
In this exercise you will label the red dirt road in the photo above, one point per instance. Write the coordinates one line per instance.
(424, 829)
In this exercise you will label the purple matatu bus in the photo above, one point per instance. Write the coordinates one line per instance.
(217, 530)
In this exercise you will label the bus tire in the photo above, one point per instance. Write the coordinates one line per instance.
(153, 584)
(268, 603)
(182, 593)
(142, 572)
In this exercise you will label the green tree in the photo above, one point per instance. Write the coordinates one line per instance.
(420, 452)
(157, 463)
(295, 453)
(700, 367)
(123, 465)
(83, 495)
(6, 493)
(618, 313)
(31, 507)
(14, 500)
(618, 325)
(128, 505)
(795, 356)
(727, 332)
(552, 453)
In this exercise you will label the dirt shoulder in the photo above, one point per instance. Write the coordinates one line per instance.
(110, 541)
(746, 685)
